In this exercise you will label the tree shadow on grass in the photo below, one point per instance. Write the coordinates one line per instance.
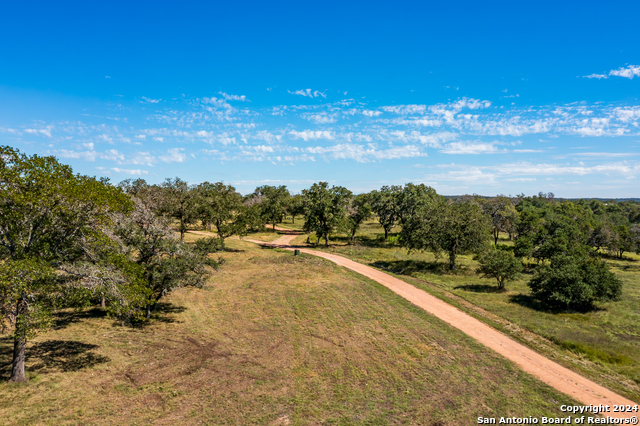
(531, 302)
(231, 250)
(411, 267)
(51, 356)
(163, 312)
(63, 355)
(64, 318)
(480, 288)
(609, 256)
(376, 242)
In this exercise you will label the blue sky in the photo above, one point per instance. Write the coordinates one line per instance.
(468, 97)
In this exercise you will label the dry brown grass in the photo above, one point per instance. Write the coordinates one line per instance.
(275, 340)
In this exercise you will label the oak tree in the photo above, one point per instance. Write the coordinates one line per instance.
(51, 221)
(446, 226)
(325, 209)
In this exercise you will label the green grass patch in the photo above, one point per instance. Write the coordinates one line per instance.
(604, 344)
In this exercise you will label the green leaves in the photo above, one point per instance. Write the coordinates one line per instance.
(274, 202)
(393, 204)
(499, 264)
(29, 290)
(325, 209)
(446, 226)
(45, 209)
(164, 261)
(574, 281)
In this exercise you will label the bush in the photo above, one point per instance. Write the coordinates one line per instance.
(575, 282)
(501, 265)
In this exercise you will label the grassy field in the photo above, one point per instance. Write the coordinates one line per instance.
(603, 344)
(275, 340)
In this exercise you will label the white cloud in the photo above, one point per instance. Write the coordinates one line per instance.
(470, 175)
(629, 72)
(174, 155)
(136, 172)
(151, 101)
(322, 118)
(233, 97)
(259, 148)
(370, 113)
(406, 109)
(113, 155)
(308, 93)
(364, 153)
(84, 155)
(266, 136)
(604, 154)
(598, 76)
(312, 135)
(142, 158)
(566, 169)
(46, 131)
(627, 115)
(471, 148)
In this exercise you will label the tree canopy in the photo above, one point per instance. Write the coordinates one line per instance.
(325, 209)
(358, 211)
(499, 264)
(179, 202)
(52, 224)
(446, 226)
(274, 202)
(384, 204)
(221, 206)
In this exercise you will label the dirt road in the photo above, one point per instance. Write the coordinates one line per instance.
(551, 373)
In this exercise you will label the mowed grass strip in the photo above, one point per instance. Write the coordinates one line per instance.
(603, 344)
(275, 340)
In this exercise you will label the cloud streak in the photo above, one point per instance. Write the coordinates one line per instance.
(308, 93)
(629, 72)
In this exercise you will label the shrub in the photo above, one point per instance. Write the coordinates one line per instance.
(501, 265)
(575, 282)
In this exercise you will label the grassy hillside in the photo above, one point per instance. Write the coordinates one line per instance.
(275, 340)
(603, 344)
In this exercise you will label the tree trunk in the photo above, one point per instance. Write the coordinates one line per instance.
(308, 238)
(326, 239)
(293, 219)
(452, 260)
(386, 234)
(181, 229)
(496, 235)
(353, 236)
(103, 303)
(148, 311)
(19, 348)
